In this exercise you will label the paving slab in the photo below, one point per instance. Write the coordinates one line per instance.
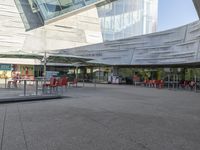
(106, 117)
(13, 131)
(2, 123)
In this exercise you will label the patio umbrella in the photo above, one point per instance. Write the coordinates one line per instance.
(20, 54)
(47, 57)
(62, 58)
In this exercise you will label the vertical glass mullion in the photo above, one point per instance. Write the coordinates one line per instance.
(42, 8)
(60, 7)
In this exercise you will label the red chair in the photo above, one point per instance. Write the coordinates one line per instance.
(157, 83)
(63, 81)
(52, 84)
(151, 83)
(146, 82)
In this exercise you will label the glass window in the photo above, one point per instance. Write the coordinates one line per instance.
(127, 18)
(52, 8)
(65, 3)
(48, 8)
(90, 1)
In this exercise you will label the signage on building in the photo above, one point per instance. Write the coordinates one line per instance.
(5, 67)
(5, 71)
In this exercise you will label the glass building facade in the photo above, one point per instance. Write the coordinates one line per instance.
(124, 18)
(53, 8)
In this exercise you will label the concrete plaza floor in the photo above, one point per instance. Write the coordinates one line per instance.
(109, 117)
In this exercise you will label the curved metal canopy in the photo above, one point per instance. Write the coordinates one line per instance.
(50, 57)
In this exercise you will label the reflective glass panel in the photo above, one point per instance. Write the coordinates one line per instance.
(52, 8)
(125, 18)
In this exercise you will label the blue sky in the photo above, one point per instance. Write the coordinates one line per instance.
(174, 13)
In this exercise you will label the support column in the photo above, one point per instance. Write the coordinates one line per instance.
(168, 78)
(99, 74)
(91, 73)
(76, 72)
(84, 72)
(115, 70)
(195, 81)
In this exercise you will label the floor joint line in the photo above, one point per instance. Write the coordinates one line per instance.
(22, 128)
(4, 122)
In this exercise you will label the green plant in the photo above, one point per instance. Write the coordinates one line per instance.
(145, 73)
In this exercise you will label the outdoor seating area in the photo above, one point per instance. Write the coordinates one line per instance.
(188, 84)
(54, 84)
(99, 75)
(88, 118)
(169, 78)
(170, 84)
(154, 83)
(38, 86)
(183, 84)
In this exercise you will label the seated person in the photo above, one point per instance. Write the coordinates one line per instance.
(181, 83)
(191, 84)
(186, 83)
(14, 80)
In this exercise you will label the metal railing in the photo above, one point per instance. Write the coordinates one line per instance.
(28, 87)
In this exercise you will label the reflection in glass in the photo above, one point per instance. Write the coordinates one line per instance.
(64, 4)
(52, 8)
(125, 18)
